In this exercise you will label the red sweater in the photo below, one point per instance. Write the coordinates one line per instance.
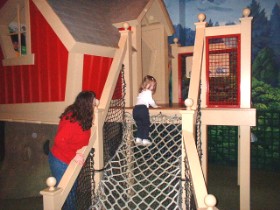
(69, 138)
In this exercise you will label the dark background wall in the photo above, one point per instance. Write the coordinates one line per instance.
(24, 163)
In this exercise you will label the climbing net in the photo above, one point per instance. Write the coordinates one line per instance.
(137, 177)
(113, 126)
(144, 177)
(112, 136)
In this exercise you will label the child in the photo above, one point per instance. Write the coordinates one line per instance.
(141, 110)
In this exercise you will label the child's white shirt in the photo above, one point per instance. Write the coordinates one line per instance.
(146, 98)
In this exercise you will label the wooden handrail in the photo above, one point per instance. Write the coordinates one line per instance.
(54, 199)
(197, 64)
(113, 75)
(202, 199)
(198, 182)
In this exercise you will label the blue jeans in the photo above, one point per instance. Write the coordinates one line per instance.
(57, 169)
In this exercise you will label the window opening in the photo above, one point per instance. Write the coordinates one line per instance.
(15, 39)
(185, 62)
(17, 32)
(223, 71)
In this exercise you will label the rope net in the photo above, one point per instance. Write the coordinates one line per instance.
(112, 135)
(113, 126)
(85, 184)
(140, 177)
(136, 177)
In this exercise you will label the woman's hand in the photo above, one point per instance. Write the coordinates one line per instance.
(79, 158)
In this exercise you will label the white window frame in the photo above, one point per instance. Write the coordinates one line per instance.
(9, 12)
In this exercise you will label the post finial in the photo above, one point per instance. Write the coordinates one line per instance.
(126, 26)
(210, 201)
(246, 12)
(188, 103)
(175, 40)
(51, 182)
(201, 17)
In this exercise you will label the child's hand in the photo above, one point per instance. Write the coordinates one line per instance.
(79, 158)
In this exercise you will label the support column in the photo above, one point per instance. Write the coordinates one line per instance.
(98, 148)
(128, 68)
(175, 68)
(245, 154)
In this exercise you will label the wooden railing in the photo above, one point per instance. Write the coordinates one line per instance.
(54, 197)
(190, 154)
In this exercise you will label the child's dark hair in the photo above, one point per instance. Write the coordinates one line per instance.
(146, 82)
(81, 110)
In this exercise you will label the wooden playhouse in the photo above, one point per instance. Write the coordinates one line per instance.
(69, 46)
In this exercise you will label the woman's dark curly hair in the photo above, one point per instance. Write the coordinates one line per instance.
(81, 110)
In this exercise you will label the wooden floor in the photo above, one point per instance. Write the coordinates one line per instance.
(222, 183)
(167, 106)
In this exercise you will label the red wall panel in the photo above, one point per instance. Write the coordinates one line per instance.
(2, 2)
(46, 80)
(95, 72)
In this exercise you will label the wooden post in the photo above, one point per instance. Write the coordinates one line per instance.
(175, 66)
(51, 199)
(245, 151)
(245, 102)
(98, 148)
(128, 68)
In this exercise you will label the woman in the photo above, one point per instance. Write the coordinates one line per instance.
(73, 133)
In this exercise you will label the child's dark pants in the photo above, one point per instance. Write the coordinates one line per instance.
(142, 119)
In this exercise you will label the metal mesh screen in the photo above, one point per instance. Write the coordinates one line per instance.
(266, 141)
(222, 144)
(222, 62)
